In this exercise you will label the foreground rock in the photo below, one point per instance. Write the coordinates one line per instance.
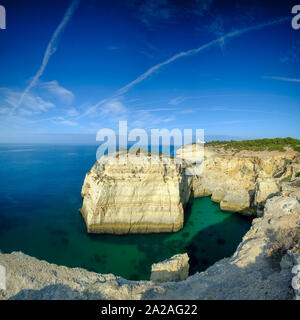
(255, 271)
(173, 269)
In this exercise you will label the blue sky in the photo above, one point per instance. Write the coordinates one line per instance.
(74, 67)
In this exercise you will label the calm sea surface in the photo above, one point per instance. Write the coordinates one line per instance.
(39, 200)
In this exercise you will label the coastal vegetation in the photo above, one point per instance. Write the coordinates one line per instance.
(277, 144)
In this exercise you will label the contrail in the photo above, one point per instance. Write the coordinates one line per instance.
(282, 79)
(212, 43)
(49, 51)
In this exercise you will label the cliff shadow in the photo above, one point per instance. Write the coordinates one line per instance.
(204, 245)
(258, 278)
(216, 242)
(282, 241)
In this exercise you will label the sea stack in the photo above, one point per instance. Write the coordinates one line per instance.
(135, 192)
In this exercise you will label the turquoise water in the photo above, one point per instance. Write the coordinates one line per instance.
(39, 200)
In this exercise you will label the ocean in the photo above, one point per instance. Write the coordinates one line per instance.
(40, 197)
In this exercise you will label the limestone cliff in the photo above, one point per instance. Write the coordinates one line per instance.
(136, 193)
(140, 192)
(241, 182)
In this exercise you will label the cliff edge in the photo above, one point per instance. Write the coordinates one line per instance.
(242, 181)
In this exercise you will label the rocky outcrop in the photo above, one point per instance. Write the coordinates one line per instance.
(292, 189)
(255, 271)
(241, 182)
(135, 193)
(173, 269)
(140, 192)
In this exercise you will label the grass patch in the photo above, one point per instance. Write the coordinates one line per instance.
(287, 179)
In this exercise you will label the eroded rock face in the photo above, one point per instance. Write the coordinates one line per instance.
(241, 182)
(256, 270)
(135, 194)
(145, 193)
(174, 269)
(236, 202)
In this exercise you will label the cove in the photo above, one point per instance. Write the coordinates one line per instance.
(40, 197)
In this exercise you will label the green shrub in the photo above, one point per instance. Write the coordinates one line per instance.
(277, 144)
(287, 179)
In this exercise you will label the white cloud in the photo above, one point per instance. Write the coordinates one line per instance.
(36, 103)
(30, 101)
(168, 119)
(176, 101)
(217, 28)
(237, 121)
(188, 111)
(4, 110)
(114, 107)
(216, 109)
(63, 94)
(230, 122)
(63, 121)
(157, 110)
(149, 11)
(137, 124)
(72, 112)
(49, 51)
(26, 112)
(159, 120)
(144, 118)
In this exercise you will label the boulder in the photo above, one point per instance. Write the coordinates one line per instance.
(236, 202)
(173, 269)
